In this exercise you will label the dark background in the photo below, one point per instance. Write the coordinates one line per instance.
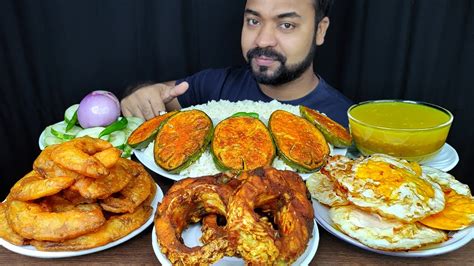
(52, 53)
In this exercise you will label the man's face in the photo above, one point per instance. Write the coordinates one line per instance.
(278, 39)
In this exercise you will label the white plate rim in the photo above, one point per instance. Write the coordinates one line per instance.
(42, 136)
(32, 252)
(448, 165)
(313, 247)
(150, 164)
(41, 139)
(457, 240)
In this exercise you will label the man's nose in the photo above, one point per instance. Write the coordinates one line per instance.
(266, 37)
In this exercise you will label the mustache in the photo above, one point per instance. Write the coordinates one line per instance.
(267, 52)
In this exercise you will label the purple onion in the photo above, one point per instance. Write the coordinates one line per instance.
(98, 109)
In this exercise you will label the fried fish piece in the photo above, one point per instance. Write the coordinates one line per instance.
(189, 204)
(31, 221)
(33, 186)
(253, 236)
(114, 228)
(6, 232)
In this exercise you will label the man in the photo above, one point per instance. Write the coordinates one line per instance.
(279, 39)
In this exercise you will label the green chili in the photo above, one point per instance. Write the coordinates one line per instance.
(71, 123)
(115, 126)
(250, 114)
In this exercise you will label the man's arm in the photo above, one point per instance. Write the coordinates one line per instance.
(149, 100)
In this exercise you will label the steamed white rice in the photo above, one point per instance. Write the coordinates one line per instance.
(218, 111)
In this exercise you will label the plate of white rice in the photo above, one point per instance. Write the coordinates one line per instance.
(218, 111)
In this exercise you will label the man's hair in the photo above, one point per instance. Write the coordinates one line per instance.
(322, 8)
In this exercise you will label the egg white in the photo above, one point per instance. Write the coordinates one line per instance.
(382, 233)
(405, 202)
(446, 181)
(322, 189)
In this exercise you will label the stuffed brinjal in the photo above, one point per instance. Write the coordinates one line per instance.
(242, 143)
(299, 144)
(334, 133)
(181, 140)
(146, 132)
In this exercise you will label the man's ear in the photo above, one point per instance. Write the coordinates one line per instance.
(323, 26)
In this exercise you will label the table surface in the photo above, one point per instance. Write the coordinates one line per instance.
(331, 251)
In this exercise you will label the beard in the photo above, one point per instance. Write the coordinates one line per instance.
(284, 73)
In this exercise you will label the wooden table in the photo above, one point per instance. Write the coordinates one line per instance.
(331, 251)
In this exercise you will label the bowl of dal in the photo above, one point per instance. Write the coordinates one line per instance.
(411, 130)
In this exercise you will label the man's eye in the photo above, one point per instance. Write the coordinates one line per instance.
(287, 26)
(252, 22)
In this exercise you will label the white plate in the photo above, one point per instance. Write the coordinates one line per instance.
(445, 160)
(218, 111)
(33, 252)
(136, 121)
(193, 233)
(145, 156)
(41, 140)
(457, 238)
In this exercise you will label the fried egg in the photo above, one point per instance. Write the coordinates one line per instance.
(382, 233)
(459, 210)
(446, 181)
(322, 189)
(383, 184)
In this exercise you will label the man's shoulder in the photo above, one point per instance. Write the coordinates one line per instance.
(330, 91)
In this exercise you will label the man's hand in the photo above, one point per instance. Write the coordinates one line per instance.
(147, 102)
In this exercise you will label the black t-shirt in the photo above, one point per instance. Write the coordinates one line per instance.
(238, 83)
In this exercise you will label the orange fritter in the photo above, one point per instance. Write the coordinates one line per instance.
(33, 186)
(100, 188)
(77, 155)
(32, 221)
(132, 195)
(114, 228)
(6, 232)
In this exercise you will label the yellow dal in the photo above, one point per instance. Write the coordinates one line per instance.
(396, 134)
(399, 115)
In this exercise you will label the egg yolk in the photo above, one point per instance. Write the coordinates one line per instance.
(390, 177)
(458, 213)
